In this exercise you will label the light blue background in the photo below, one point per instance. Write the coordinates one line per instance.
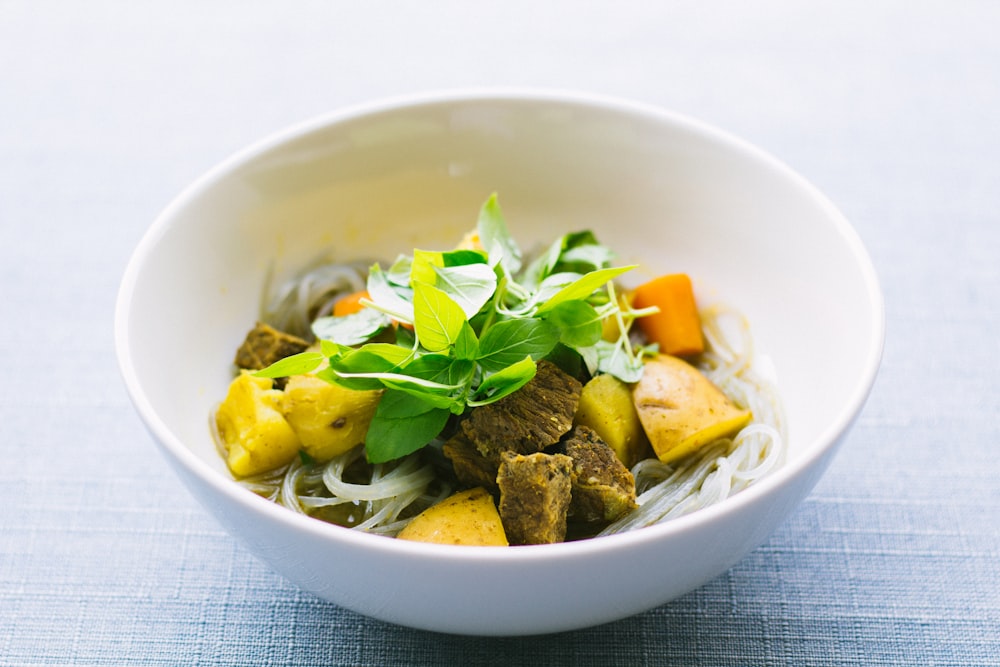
(109, 108)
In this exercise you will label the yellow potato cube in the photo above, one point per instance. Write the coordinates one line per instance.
(467, 517)
(328, 419)
(253, 430)
(681, 410)
(606, 407)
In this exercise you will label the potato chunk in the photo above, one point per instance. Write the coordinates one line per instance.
(467, 517)
(606, 407)
(328, 419)
(681, 410)
(253, 430)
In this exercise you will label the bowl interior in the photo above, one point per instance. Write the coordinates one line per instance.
(664, 191)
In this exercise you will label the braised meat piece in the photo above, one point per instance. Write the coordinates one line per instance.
(265, 345)
(471, 468)
(534, 496)
(603, 488)
(530, 419)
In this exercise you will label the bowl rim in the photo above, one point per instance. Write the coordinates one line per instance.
(825, 443)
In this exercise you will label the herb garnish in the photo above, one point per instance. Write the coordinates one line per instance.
(470, 327)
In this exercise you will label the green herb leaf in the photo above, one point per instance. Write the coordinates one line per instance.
(353, 329)
(424, 263)
(576, 252)
(366, 360)
(402, 424)
(584, 287)
(566, 358)
(464, 257)
(392, 299)
(504, 382)
(510, 341)
(466, 345)
(578, 322)
(398, 274)
(611, 358)
(452, 378)
(495, 238)
(432, 367)
(469, 285)
(586, 258)
(330, 349)
(296, 364)
(373, 358)
(437, 318)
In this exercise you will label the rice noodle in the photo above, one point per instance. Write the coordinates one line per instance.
(294, 304)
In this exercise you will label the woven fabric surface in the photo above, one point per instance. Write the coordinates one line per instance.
(892, 108)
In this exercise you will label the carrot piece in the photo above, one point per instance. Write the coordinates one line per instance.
(677, 327)
(350, 304)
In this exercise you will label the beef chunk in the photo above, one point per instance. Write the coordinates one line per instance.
(534, 496)
(471, 468)
(603, 488)
(530, 419)
(265, 345)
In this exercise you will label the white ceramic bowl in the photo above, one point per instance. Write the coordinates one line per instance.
(662, 189)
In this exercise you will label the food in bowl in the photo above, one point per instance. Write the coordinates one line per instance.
(666, 192)
(477, 396)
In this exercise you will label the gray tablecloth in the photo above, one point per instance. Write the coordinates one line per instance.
(109, 108)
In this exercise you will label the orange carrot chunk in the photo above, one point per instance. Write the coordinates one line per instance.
(350, 304)
(677, 327)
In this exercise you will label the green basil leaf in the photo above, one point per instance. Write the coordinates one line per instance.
(583, 287)
(442, 401)
(586, 258)
(296, 364)
(496, 239)
(568, 359)
(353, 329)
(437, 318)
(392, 299)
(424, 263)
(508, 342)
(399, 273)
(554, 259)
(504, 382)
(466, 345)
(402, 424)
(357, 384)
(579, 324)
(373, 358)
(542, 266)
(462, 372)
(433, 367)
(607, 357)
(363, 360)
(395, 354)
(552, 285)
(464, 257)
(469, 285)
(330, 349)
(406, 338)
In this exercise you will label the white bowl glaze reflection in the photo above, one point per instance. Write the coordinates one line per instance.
(663, 190)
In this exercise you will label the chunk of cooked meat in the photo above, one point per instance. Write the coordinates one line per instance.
(535, 491)
(265, 345)
(471, 467)
(530, 419)
(603, 488)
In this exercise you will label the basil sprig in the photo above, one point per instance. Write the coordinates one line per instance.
(471, 326)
